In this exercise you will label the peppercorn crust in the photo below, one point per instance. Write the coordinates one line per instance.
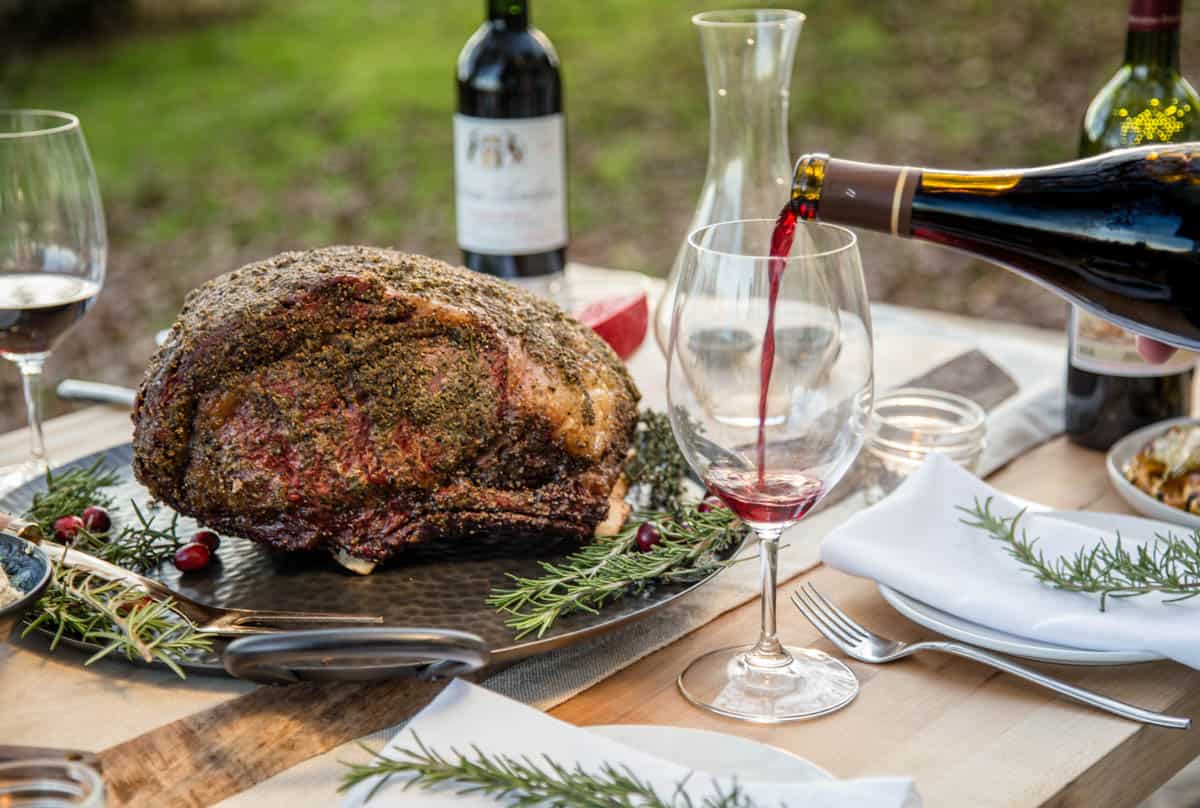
(361, 400)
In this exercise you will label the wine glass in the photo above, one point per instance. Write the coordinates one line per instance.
(52, 251)
(771, 428)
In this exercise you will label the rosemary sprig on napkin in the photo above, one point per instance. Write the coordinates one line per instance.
(523, 781)
(689, 548)
(1170, 565)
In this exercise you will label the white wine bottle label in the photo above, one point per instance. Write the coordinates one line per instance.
(1099, 346)
(510, 180)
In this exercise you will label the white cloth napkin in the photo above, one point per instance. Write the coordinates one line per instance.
(464, 715)
(914, 541)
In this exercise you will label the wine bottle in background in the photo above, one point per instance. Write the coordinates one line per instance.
(1111, 390)
(1118, 234)
(509, 153)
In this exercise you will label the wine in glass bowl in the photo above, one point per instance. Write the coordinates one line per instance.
(772, 426)
(52, 251)
(38, 308)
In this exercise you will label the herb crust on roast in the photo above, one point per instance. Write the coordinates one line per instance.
(362, 400)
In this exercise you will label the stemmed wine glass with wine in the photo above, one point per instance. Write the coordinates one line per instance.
(52, 251)
(772, 425)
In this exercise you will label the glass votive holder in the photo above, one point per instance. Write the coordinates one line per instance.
(912, 423)
(50, 783)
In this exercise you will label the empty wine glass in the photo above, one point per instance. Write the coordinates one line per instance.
(771, 428)
(52, 251)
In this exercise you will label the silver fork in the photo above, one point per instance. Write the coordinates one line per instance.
(865, 645)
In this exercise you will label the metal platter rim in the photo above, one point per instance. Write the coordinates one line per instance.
(514, 651)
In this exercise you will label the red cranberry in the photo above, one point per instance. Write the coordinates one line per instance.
(192, 557)
(96, 519)
(66, 528)
(208, 538)
(647, 537)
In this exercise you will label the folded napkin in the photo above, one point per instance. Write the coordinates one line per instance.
(914, 541)
(465, 715)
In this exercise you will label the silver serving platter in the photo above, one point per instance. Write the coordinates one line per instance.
(442, 588)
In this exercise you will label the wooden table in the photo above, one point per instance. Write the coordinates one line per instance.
(969, 736)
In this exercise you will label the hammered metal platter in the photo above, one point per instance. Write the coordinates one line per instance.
(435, 589)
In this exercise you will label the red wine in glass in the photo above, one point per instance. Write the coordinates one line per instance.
(765, 497)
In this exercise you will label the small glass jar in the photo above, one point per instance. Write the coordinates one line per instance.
(50, 783)
(912, 423)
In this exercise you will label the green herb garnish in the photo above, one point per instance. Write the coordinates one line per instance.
(118, 617)
(689, 548)
(657, 465)
(1170, 565)
(526, 782)
(69, 492)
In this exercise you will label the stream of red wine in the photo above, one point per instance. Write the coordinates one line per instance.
(781, 247)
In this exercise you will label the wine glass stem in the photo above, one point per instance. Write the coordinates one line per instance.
(768, 652)
(31, 381)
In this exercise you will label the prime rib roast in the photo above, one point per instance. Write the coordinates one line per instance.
(363, 400)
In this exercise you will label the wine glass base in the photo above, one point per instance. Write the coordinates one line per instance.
(12, 477)
(812, 684)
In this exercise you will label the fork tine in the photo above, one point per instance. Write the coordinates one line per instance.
(844, 619)
(830, 632)
(852, 637)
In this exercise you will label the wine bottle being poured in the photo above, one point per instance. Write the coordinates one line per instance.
(1117, 234)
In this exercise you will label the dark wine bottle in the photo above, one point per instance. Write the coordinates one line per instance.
(1117, 234)
(1111, 390)
(509, 152)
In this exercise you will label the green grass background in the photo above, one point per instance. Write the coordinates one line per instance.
(222, 139)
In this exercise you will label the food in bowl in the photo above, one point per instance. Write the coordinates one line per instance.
(1168, 468)
(9, 594)
(360, 401)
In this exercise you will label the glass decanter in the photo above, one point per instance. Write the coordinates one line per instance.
(748, 63)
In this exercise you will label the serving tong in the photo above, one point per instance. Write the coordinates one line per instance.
(215, 620)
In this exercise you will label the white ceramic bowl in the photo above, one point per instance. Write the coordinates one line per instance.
(1119, 456)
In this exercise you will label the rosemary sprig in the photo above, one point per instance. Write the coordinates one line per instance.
(69, 492)
(119, 617)
(139, 547)
(689, 549)
(526, 782)
(1170, 565)
(657, 466)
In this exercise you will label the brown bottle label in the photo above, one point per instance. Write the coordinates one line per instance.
(876, 197)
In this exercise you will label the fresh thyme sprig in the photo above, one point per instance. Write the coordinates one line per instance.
(1170, 565)
(118, 617)
(522, 781)
(657, 466)
(690, 548)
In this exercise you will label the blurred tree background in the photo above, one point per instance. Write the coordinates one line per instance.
(227, 130)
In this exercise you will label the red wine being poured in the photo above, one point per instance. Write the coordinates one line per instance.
(771, 497)
(781, 247)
